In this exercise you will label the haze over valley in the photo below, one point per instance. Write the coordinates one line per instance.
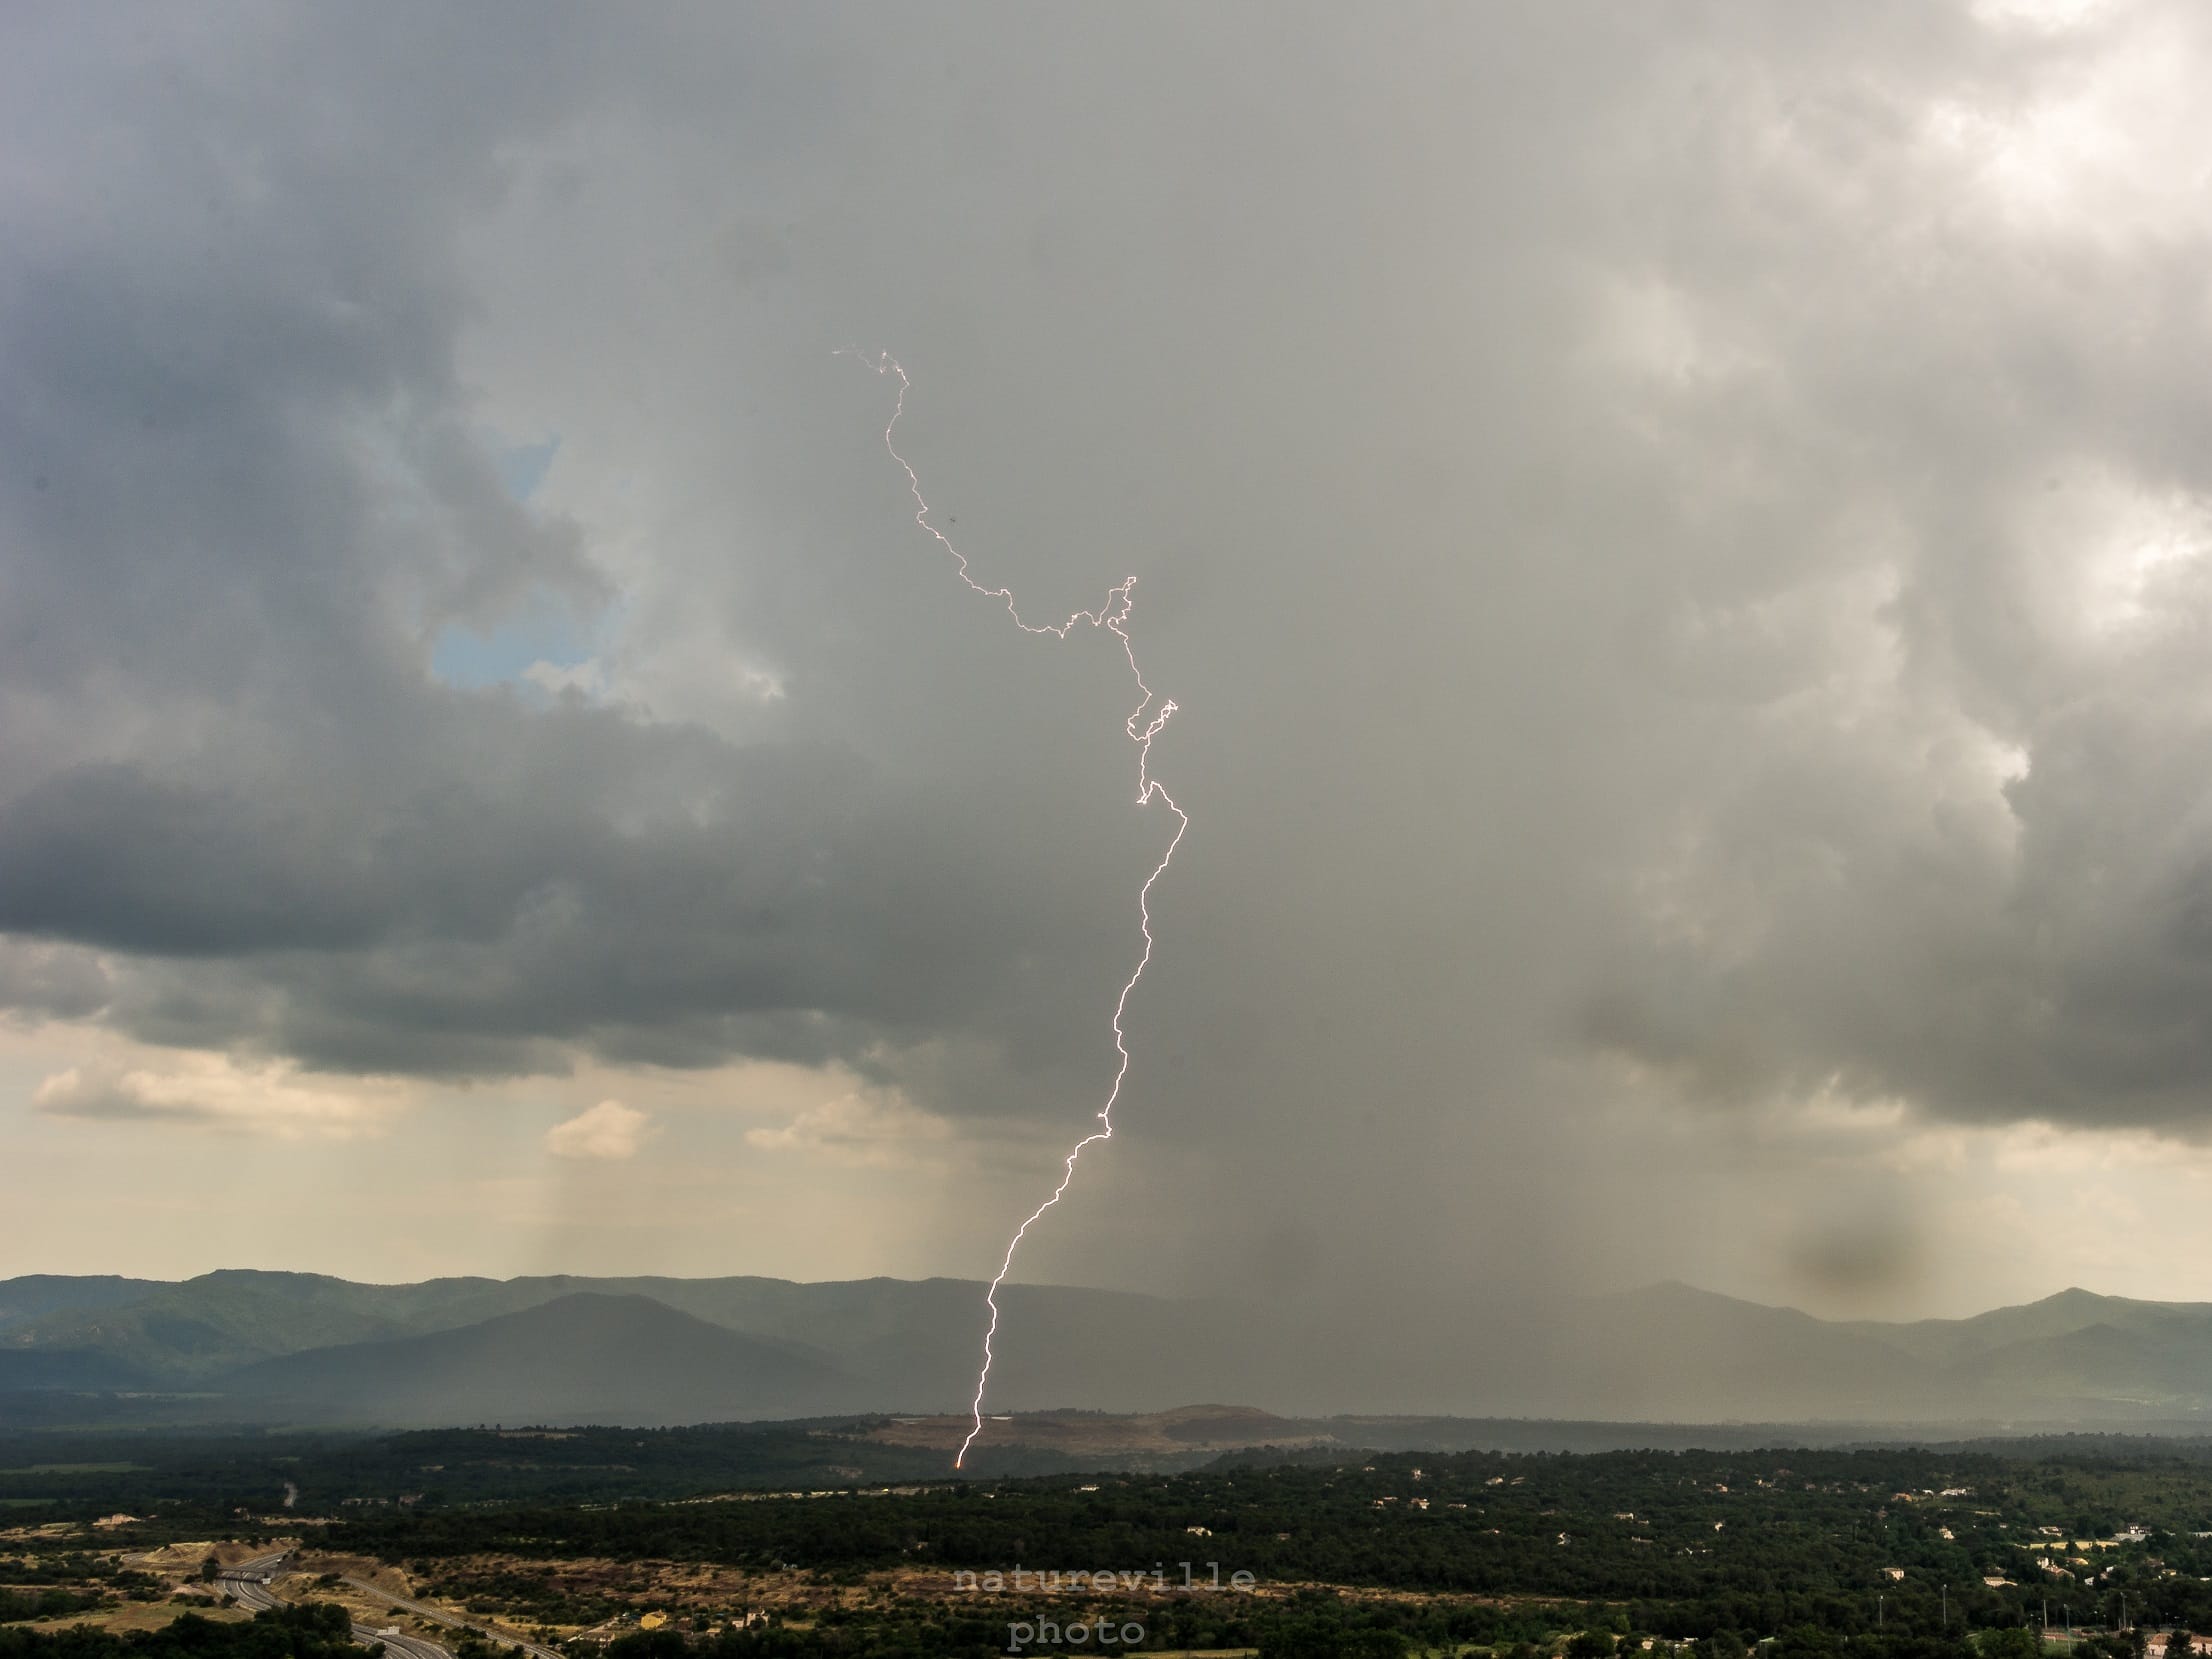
(297, 1348)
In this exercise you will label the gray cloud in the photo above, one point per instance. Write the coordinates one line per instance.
(210, 1093)
(1643, 518)
(51, 981)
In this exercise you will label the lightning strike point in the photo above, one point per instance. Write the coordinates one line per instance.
(1145, 723)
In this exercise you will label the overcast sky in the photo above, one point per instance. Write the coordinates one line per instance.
(1678, 532)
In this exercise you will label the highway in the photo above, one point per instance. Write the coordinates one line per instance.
(248, 1585)
(438, 1615)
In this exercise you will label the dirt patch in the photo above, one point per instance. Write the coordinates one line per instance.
(138, 1615)
(367, 1568)
(308, 1586)
(45, 1532)
(184, 1560)
(367, 1574)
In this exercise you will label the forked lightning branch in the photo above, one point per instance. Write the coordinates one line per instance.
(1143, 725)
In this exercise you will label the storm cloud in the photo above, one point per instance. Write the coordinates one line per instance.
(1679, 536)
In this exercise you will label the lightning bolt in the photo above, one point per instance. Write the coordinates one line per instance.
(1143, 725)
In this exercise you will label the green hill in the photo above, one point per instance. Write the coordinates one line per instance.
(586, 1357)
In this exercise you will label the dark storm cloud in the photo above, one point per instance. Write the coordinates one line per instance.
(1608, 496)
(50, 981)
(245, 497)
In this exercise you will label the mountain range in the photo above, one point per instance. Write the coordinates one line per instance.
(249, 1346)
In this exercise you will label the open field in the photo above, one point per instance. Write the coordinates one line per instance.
(128, 1616)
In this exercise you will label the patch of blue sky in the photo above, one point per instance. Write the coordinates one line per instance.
(522, 467)
(545, 629)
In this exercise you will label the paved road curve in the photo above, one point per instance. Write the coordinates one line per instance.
(438, 1615)
(248, 1584)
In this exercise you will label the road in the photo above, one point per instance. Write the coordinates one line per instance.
(248, 1585)
(438, 1615)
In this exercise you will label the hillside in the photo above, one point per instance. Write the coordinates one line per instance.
(912, 1344)
(1664, 1353)
(202, 1327)
(586, 1357)
(75, 1369)
(33, 1294)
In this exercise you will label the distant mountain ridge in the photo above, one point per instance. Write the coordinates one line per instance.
(33, 1294)
(272, 1346)
(577, 1358)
